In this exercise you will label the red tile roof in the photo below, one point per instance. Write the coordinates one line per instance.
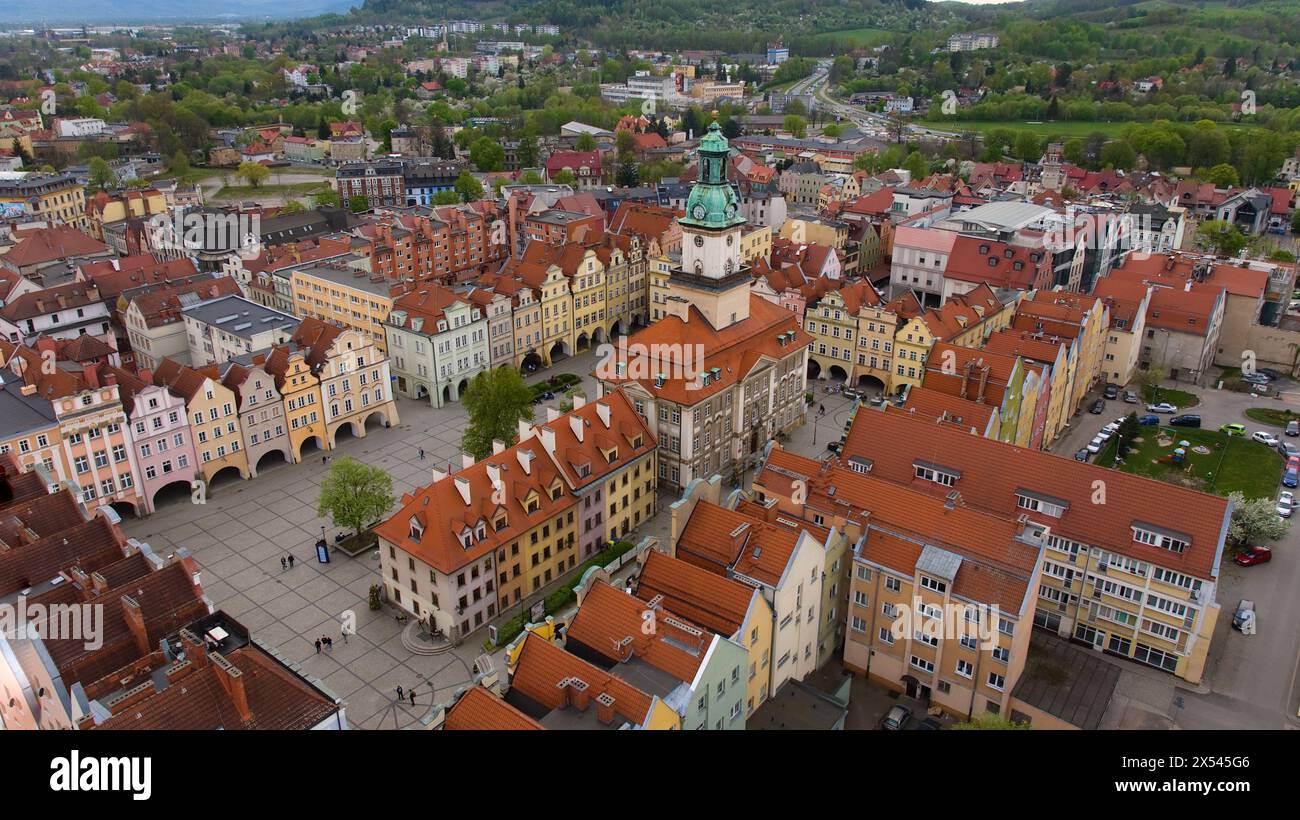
(608, 618)
(478, 710)
(542, 666)
(706, 598)
(992, 471)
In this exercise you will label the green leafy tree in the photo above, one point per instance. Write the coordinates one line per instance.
(796, 125)
(496, 401)
(487, 154)
(1254, 520)
(355, 495)
(1221, 237)
(359, 203)
(527, 151)
(253, 173)
(534, 178)
(468, 187)
(1118, 154)
(101, 176)
(1295, 221)
(586, 142)
(293, 206)
(327, 198)
(564, 177)
(1223, 175)
(1150, 378)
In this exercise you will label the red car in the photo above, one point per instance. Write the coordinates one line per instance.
(1254, 555)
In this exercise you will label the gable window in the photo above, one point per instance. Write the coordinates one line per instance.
(933, 472)
(1165, 539)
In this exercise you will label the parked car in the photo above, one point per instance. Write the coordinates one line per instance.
(1293, 428)
(1239, 616)
(1130, 397)
(1111, 429)
(1186, 420)
(1249, 557)
(1287, 449)
(1096, 444)
(897, 718)
(1267, 439)
(1098, 407)
(1162, 407)
(1268, 371)
(876, 401)
(1111, 392)
(1233, 429)
(1291, 475)
(851, 394)
(1286, 504)
(1255, 378)
(1148, 420)
(1082, 455)
(835, 446)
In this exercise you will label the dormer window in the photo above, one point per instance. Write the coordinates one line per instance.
(936, 473)
(611, 455)
(1037, 502)
(531, 505)
(931, 584)
(416, 530)
(636, 441)
(1155, 536)
(480, 532)
(499, 523)
(467, 539)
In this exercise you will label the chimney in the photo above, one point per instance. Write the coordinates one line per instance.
(134, 618)
(579, 401)
(552, 414)
(462, 487)
(605, 708)
(548, 438)
(89, 374)
(965, 378)
(494, 474)
(498, 446)
(575, 693)
(438, 475)
(466, 461)
(602, 410)
(984, 378)
(525, 430)
(576, 424)
(232, 680)
(146, 376)
(525, 460)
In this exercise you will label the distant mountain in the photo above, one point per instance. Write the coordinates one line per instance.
(68, 12)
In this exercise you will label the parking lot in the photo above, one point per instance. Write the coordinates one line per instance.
(1251, 681)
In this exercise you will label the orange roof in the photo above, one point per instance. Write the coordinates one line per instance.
(53, 243)
(733, 350)
(479, 709)
(542, 667)
(706, 598)
(607, 618)
(993, 471)
(608, 423)
(963, 413)
(751, 547)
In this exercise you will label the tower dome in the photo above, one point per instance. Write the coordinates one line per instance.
(712, 204)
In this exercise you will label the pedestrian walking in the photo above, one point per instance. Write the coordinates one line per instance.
(343, 630)
(283, 563)
(329, 643)
(318, 646)
(400, 694)
(421, 454)
(290, 560)
(411, 693)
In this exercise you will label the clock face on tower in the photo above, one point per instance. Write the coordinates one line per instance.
(699, 241)
(731, 211)
(699, 212)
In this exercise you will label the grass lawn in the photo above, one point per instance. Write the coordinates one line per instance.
(1272, 415)
(859, 37)
(1178, 398)
(1231, 464)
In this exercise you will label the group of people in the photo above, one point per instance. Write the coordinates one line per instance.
(286, 561)
(407, 693)
(327, 642)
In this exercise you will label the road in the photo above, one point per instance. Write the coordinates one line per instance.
(870, 121)
(1251, 681)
